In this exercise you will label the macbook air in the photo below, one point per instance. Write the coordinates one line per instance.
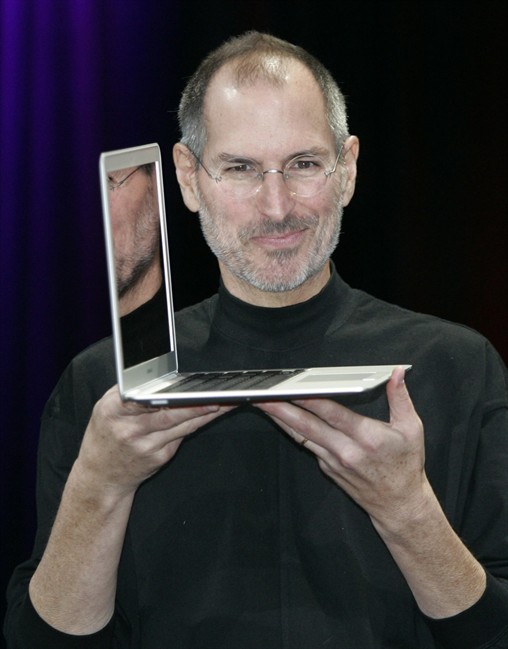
(154, 379)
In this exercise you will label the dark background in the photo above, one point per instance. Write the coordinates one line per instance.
(427, 229)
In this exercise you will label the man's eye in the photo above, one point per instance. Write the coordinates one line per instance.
(305, 165)
(239, 169)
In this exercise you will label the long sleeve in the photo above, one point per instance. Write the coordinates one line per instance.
(471, 628)
(62, 426)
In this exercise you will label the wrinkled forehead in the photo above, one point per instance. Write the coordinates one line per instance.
(282, 96)
(269, 70)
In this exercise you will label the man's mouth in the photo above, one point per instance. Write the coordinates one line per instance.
(280, 234)
(280, 240)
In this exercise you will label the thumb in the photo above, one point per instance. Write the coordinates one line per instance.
(401, 407)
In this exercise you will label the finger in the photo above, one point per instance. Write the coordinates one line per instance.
(303, 423)
(178, 423)
(297, 437)
(115, 402)
(131, 419)
(152, 418)
(309, 439)
(401, 407)
(335, 415)
(188, 422)
(177, 415)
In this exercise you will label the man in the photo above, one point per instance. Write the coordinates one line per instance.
(366, 525)
(135, 225)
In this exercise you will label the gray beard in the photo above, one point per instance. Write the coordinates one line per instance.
(235, 260)
(138, 271)
(130, 269)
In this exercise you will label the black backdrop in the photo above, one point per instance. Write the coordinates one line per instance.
(428, 227)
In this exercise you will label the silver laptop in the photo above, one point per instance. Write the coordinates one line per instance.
(155, 379)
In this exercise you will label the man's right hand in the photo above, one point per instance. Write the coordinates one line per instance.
(126, 443)
(74, 586)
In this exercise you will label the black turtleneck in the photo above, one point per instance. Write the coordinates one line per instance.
(280, 328)
(241, 541)
(233, 334)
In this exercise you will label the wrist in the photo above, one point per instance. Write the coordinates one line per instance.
(406, 519)
(443, 575)
(95, 491)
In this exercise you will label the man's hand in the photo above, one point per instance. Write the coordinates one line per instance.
(126, 443)
(74, 586)
(381, 466)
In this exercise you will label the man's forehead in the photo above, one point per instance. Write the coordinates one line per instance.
(263, 115)
(274, 72)
(122, 172)
(229, 92)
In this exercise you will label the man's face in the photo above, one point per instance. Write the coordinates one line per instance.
(272, 241)
(135, 222)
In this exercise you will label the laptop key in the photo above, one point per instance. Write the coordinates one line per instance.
(210, 381)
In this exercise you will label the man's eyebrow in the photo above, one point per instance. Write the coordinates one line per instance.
(233, 157)
(314, 150)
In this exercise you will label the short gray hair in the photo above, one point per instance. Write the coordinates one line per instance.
(253, 54)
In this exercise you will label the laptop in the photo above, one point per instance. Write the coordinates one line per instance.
(153, 378)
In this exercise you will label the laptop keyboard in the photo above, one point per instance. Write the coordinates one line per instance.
(210, 381)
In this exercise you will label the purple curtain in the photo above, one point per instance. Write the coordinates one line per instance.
(76, 77)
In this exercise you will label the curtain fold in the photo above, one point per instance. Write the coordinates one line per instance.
(76, 77)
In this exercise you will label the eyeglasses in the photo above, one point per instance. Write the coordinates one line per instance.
(305, 175)
(116, 184)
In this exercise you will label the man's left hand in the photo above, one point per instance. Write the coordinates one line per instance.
(379, 464)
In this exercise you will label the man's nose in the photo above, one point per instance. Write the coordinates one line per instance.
(273, 197)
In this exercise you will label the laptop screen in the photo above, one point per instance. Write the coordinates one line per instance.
(133, 200)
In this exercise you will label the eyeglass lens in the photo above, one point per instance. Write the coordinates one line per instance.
(115, 184)
(303, 176)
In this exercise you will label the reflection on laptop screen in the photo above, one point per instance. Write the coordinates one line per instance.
(134, 209)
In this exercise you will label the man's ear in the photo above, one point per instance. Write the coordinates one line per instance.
(350, 154)
(185, 165)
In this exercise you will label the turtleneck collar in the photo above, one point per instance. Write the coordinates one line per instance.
(283, 327)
